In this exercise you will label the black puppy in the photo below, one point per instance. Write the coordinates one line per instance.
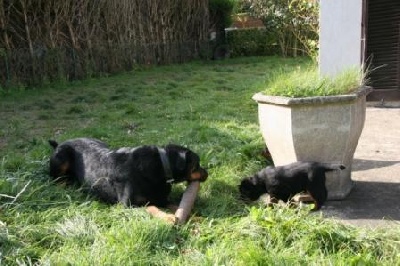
(283, 182)
(132, 176)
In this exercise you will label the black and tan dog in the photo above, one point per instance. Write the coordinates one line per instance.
(140, 176)
(284, 182)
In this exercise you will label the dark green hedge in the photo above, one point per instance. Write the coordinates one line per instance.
(252, 42)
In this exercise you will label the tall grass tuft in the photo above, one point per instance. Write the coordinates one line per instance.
(308, 83)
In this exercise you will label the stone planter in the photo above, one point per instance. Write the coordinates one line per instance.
(323, 129)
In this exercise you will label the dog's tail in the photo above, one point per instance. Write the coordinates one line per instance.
(53, 143)
(332, 166)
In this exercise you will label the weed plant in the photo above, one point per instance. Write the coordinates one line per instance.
(206, 106)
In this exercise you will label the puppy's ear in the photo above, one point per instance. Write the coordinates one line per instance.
(181, 160)
(53, 143)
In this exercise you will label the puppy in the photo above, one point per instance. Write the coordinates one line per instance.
(283, 182)
(132, 176)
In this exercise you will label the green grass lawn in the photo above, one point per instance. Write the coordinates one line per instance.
(206, 106)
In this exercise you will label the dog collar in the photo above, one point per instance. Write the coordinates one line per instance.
(166, 165)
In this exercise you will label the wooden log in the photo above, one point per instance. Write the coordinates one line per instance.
(187, 202)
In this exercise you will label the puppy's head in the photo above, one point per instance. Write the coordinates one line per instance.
(251, 189)
(185, 164)
(60, 160)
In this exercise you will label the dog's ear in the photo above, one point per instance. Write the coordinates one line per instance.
(181, 160)
(53, 143)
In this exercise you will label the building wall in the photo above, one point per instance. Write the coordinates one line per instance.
(340, 35)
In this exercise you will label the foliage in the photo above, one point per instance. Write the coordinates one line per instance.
(221, 17)
(2, 52)
(206, 106)
(308, 82)
(221, 11)
(243, 7)
(292, 21)
(252, 42)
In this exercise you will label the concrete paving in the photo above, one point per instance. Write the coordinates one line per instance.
(375, 198)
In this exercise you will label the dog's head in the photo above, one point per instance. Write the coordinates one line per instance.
(251, 189)
(61, 159)
(185, 164)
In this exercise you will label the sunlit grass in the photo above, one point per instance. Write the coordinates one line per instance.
(308, 82)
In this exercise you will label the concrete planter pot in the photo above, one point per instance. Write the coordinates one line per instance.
(324, 129)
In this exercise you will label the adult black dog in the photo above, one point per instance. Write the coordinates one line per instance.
(132, 176)
(283, 182)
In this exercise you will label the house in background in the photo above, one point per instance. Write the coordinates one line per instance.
(356, 32)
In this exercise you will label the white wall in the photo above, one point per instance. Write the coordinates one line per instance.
(340, 35)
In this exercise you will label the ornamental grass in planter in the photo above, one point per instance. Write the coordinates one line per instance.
(305, 117)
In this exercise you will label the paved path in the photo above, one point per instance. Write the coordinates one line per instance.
(375, 198)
